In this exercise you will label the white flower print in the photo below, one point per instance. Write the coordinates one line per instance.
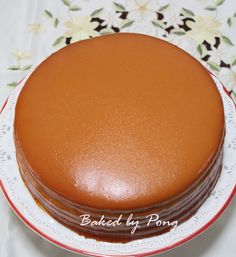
(204, 28)
(111, 19)
(142, 10)
(80, 28)
(21, 55)
(36, 28)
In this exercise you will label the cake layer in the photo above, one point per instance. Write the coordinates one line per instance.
(119, 124)
(176, 209)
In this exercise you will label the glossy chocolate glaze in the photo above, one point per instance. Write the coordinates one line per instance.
(119, 124)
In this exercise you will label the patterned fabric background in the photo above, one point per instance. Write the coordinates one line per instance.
(204, 28)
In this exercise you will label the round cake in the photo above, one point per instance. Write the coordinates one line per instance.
(120, 129)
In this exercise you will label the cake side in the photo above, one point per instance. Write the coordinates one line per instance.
(70, 214)
(120, 124)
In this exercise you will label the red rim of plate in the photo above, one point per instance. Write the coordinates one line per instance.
(72, 249)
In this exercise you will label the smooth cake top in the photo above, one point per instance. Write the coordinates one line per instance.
(120, 121)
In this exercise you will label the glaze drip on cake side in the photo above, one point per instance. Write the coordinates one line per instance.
(119, 123)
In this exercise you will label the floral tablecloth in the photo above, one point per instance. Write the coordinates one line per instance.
(204, 28)
(30, 30)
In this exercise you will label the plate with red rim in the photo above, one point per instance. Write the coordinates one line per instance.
(39, 221)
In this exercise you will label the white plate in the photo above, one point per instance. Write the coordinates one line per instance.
(25, 207)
